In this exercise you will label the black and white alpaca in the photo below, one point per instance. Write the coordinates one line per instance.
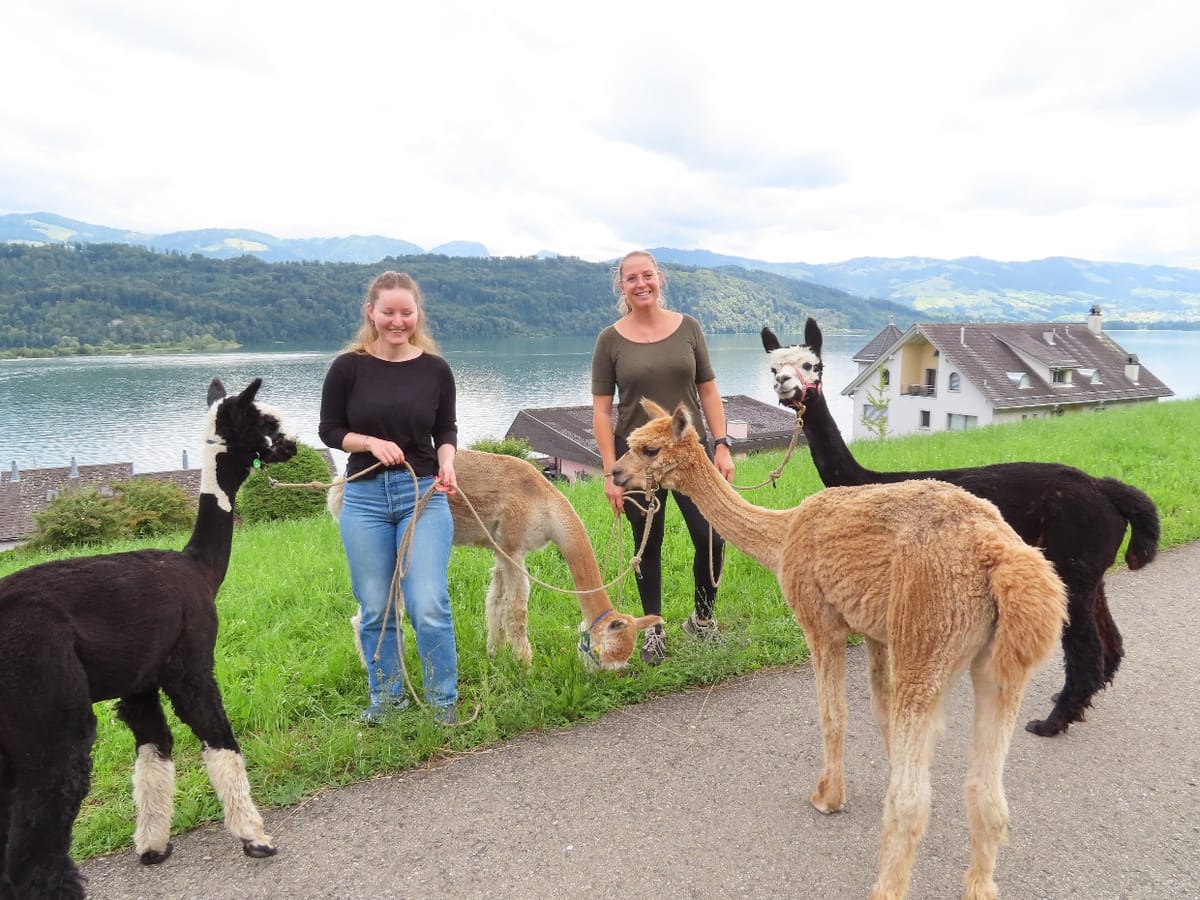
(124, 625)
(1078, 520)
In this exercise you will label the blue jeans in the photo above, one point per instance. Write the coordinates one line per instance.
(375, 514)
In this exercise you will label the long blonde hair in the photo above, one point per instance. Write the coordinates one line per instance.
(368, 333)
(617, 275)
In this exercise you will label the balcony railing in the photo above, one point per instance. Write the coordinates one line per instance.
(920, 390)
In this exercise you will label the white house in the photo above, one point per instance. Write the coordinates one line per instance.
(942, 377)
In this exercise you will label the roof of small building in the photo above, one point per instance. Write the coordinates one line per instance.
(565, 432)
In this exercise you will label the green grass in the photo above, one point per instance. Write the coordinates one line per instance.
(293, 685)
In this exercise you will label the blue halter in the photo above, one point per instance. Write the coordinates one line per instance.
(589, 654)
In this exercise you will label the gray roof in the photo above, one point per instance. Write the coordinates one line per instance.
(878, 344)
(988, 355)
(565, 432)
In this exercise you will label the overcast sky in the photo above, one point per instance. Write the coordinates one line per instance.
(784, 131)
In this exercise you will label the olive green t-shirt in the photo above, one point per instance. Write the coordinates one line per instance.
(666, 371)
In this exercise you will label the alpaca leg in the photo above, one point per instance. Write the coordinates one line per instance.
(227, 772)
(153, 775)
(43, 785)
(497, 632)
(200, 708)
(878, 666)
(6, 800)
(829, 667)
(996, 708)
(1112, 647)
(915, 722)
(508, 598)
(1084, 664)
(518, 633)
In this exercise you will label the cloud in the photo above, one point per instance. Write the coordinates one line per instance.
(781, 132)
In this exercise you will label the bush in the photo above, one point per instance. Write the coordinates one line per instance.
(258, 501)
(153, 507)
(518, 447)
(83, 516)
(142, 507)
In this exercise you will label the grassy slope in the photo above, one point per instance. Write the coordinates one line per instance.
(293, 685)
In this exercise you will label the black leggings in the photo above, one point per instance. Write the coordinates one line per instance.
(710, 550)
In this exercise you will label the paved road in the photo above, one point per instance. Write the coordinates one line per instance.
(705, 795)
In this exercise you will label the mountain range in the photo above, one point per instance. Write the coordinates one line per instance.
(970, 288)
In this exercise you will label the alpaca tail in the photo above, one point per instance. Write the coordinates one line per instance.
(1031, 608)
(1141, 514)
(333, 499)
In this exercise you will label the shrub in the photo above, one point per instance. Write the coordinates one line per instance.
(518, 447)
(258, 501)
(153, 507)
(83, 516)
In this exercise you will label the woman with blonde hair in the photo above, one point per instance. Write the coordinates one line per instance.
(390, 399)
(653, 352)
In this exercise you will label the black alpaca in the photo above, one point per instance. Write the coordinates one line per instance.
(1079, 522)
(77, 631)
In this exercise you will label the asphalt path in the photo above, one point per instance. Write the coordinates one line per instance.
(705, 794)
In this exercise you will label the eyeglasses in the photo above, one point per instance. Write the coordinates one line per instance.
(632, 280)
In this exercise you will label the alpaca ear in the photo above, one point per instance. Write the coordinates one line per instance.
(216, 391)
(680, 422)
(246, 397)
(653, 410)
(770, 342)
(812, 336)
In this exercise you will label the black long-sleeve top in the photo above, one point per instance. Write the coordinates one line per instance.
(411, 403)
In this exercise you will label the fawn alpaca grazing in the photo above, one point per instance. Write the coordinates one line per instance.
(77, 631)
(934, 580)
(1078, 520)
(522, 512)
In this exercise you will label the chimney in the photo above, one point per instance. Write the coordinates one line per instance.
(738, 429)
(185, 461)
(1093, 320)
(1048, 337)
(74, 471)
(962, 335)
(16, 473)
(1133, 370)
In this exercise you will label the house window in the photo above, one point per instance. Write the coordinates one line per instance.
(954, 382)
(960, 422)
(872, 414)
(1061, 376)
(931, 382)
(925, 419)
(885, 377)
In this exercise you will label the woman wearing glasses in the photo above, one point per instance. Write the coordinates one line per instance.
(653, 352)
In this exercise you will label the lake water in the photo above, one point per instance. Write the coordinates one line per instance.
(148, 409)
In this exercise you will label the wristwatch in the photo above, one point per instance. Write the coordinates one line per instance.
(723, 440)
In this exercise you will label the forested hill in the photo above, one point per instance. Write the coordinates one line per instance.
(81, 298)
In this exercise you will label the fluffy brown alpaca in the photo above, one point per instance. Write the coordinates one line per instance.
(934, 580)
(522, 512)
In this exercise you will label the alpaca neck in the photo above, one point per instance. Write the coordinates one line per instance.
(576, 548)
(836, 466)
(754, 530)
(212, 538)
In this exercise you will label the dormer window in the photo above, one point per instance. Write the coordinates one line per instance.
(1091, 376)
(1020, 379)
(1060, 376)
